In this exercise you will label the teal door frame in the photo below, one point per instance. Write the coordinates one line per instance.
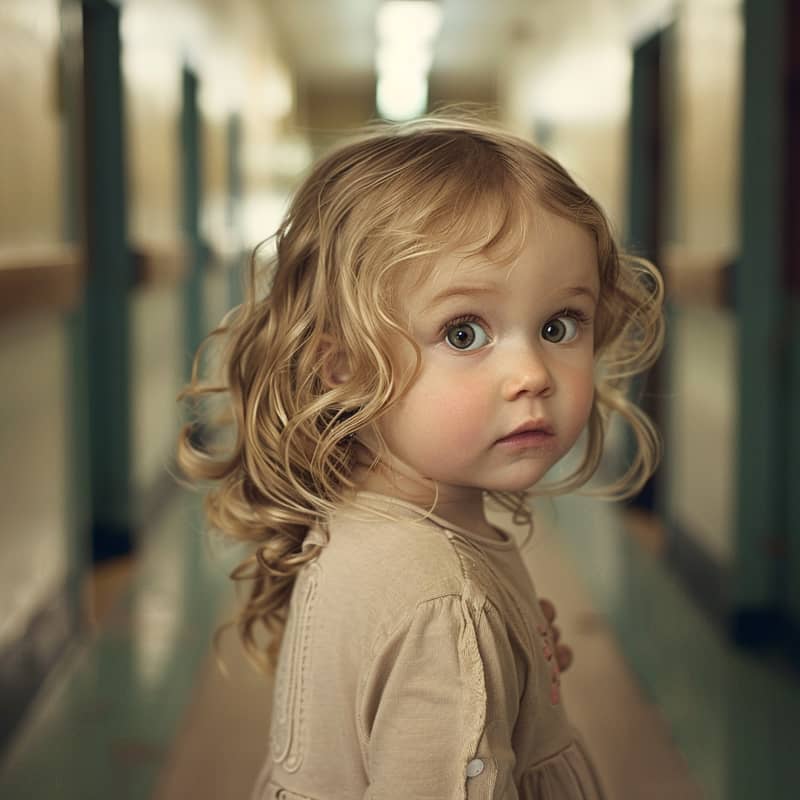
(108, 283)
(77, 466)
(644, 213)
(757, 596)
(790, 578)
(192, 172)
(28, 657)
(234, 207)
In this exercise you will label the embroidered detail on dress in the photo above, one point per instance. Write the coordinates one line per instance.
(277, 792)
(483, 568)
(287, 727)
(555, 672)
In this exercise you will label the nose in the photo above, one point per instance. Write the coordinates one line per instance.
(527, 373)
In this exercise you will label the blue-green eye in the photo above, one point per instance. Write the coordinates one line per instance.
(560, 329)
(465, 335)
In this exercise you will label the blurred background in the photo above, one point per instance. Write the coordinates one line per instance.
(146, 146)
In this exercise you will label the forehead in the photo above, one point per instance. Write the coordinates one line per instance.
(551, 250)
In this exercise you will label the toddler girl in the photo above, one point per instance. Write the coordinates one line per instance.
(447, 313)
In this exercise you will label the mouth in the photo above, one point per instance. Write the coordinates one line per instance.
(534, 433)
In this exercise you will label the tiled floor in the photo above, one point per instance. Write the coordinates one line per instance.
(103, 725)
(629, 739)
(735, 717)
(669, 711)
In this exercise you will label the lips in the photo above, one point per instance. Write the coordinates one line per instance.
(534, 435)
(535, 426)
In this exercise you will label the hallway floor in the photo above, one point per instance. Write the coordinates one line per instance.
(140, 709)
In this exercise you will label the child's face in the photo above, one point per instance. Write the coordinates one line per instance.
(502, 348)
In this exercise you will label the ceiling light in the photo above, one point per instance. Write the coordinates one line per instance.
(561, 92)
(401, 97)
(406, 31)
(408, 20)
(389, 58)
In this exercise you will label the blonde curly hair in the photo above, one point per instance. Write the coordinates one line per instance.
(395, 198)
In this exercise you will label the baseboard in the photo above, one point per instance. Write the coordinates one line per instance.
(709, 583)
(110, 541)
(152, 502)
(705, 578)
(26, 662)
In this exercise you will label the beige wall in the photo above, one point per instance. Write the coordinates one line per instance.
(33, 514)
(151, 72)
(595, 153)
(214, 145)
(445, 93)
(151, 69)
(328, 113)
(701, 441)
(30, 191)
(33, 438)
(230, 51)
(704, 136)
(703, 233)
(157, 357)
(573, 100)
(230, 47)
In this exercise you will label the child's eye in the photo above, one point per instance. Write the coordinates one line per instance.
(565, 327)
(465, 334)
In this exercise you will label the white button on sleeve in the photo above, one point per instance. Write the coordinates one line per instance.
(426, 684)
(474, 768)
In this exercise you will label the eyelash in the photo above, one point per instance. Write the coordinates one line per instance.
(581, 317)
(575, 313)
(459, 321)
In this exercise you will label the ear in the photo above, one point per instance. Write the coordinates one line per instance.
(334, 366)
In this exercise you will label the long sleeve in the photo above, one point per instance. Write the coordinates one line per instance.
(438, 704)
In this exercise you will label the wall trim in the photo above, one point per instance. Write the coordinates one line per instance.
(708, 583)
(26, 662)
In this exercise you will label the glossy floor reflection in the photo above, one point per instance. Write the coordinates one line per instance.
(103, 725)
(734, 716)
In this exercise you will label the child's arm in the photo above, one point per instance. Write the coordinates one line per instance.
(438, 703)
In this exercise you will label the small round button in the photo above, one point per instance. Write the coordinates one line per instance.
(475, 767)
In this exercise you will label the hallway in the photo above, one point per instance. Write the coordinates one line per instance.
(149, 152)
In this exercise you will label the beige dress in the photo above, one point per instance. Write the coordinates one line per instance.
(417, 663)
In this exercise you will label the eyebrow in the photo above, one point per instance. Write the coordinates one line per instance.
(471, 291)
(585, 290)
(463, 291)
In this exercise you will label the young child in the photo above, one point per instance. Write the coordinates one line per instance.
(448, 312)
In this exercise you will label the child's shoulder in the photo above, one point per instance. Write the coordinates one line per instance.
(376, 572)
(400, 554)
(393, 545)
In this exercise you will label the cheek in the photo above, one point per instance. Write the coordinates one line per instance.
(447, 413)
(453, 410)
(582, 391)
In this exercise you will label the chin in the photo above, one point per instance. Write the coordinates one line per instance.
(518, 484)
